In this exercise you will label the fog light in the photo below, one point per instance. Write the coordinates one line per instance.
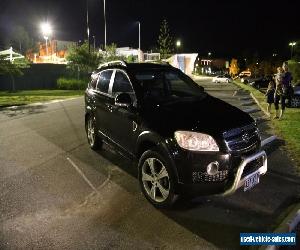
(212, 168)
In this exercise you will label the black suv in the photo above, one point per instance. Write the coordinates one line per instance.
(185, 141)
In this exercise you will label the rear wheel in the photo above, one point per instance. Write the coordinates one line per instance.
(91, 132)
(156, 179)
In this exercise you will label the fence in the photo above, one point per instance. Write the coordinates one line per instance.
(38, 76)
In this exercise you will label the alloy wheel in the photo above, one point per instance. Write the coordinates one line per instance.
(91, 131)
(155, 179)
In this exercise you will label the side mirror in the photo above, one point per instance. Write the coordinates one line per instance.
(123, 100)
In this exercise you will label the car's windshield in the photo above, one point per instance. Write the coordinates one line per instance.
(165, 85)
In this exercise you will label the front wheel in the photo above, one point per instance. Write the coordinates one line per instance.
(295, 102)
(91, 132)
(156, 179)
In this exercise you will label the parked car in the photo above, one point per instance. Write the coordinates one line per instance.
(295, 102)
(261, 82)
(245, 73)
(184, 140)
(247, 80)
(222, 78)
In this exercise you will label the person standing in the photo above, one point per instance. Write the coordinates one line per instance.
(279, 96)
(270, 95)
(287, 83)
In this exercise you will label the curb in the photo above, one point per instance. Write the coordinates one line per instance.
(259, 105)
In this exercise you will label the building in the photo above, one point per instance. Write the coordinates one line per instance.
(184, 62)
(54, 51)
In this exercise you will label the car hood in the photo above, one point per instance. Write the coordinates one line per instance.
(207, 115)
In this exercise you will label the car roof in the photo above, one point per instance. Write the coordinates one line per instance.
(134, 66)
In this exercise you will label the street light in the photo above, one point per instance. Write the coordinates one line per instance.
(139, 35)
(104, 10)
(46, 31)
(178, 45)
(87, 24)
(209, 54)
(292, 44)
(94, 37)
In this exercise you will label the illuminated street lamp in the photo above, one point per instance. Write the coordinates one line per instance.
(178, 45)
(209, 54)
(46, 31)
(292, 44)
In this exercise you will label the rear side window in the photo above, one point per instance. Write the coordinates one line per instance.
(93, 81)
(121, 84)
(103, 81)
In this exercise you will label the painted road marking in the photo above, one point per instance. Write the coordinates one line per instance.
(82, 174)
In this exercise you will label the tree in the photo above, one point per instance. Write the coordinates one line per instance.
(80, 60)
(20, 40)
(234, 68)
(12, 69)
(110, 53)
(165, 41)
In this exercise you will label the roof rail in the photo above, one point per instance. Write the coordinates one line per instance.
(119, 62)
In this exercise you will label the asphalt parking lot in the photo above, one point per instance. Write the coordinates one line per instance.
(56, 193)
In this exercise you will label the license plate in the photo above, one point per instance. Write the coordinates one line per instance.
(251, 181)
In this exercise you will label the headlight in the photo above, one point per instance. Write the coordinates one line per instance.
(196, 141)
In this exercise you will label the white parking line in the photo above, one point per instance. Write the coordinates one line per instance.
(82, 174)
(268, 140)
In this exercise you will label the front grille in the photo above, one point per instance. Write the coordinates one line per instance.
(242, 139)
(252, 166)
(204, 177)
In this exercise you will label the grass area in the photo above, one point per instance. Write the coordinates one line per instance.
(32, 96)
(288, 128)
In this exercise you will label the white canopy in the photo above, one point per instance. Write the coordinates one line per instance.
(10, 54)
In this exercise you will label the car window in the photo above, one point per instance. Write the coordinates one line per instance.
(93, 82)
(162, 85)
(121, 84)
(103, 81)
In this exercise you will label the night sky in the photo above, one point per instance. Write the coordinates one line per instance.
(225, 28)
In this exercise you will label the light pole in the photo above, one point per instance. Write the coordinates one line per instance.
(139, 35)
(178, 45)
(87, 24)
(292, 44)
(94, 43)
(46, 31)
(209, 54)
(104, 12)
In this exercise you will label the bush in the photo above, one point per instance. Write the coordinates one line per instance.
(71, 83)
(294, 68)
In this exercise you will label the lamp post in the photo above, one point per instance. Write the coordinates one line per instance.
(104, 13)
(292, 44)
(94, 43)
(87, 24)
(139, 35)
(46, 31)
(178, 45)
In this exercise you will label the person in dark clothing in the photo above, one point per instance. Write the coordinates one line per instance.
(270, 95)
(287, 87)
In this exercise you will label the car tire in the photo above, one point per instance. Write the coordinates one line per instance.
(93, 139)
(295, 102)
(156, 179)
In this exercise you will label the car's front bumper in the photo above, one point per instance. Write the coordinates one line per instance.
(239, 181)
(238, 170)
